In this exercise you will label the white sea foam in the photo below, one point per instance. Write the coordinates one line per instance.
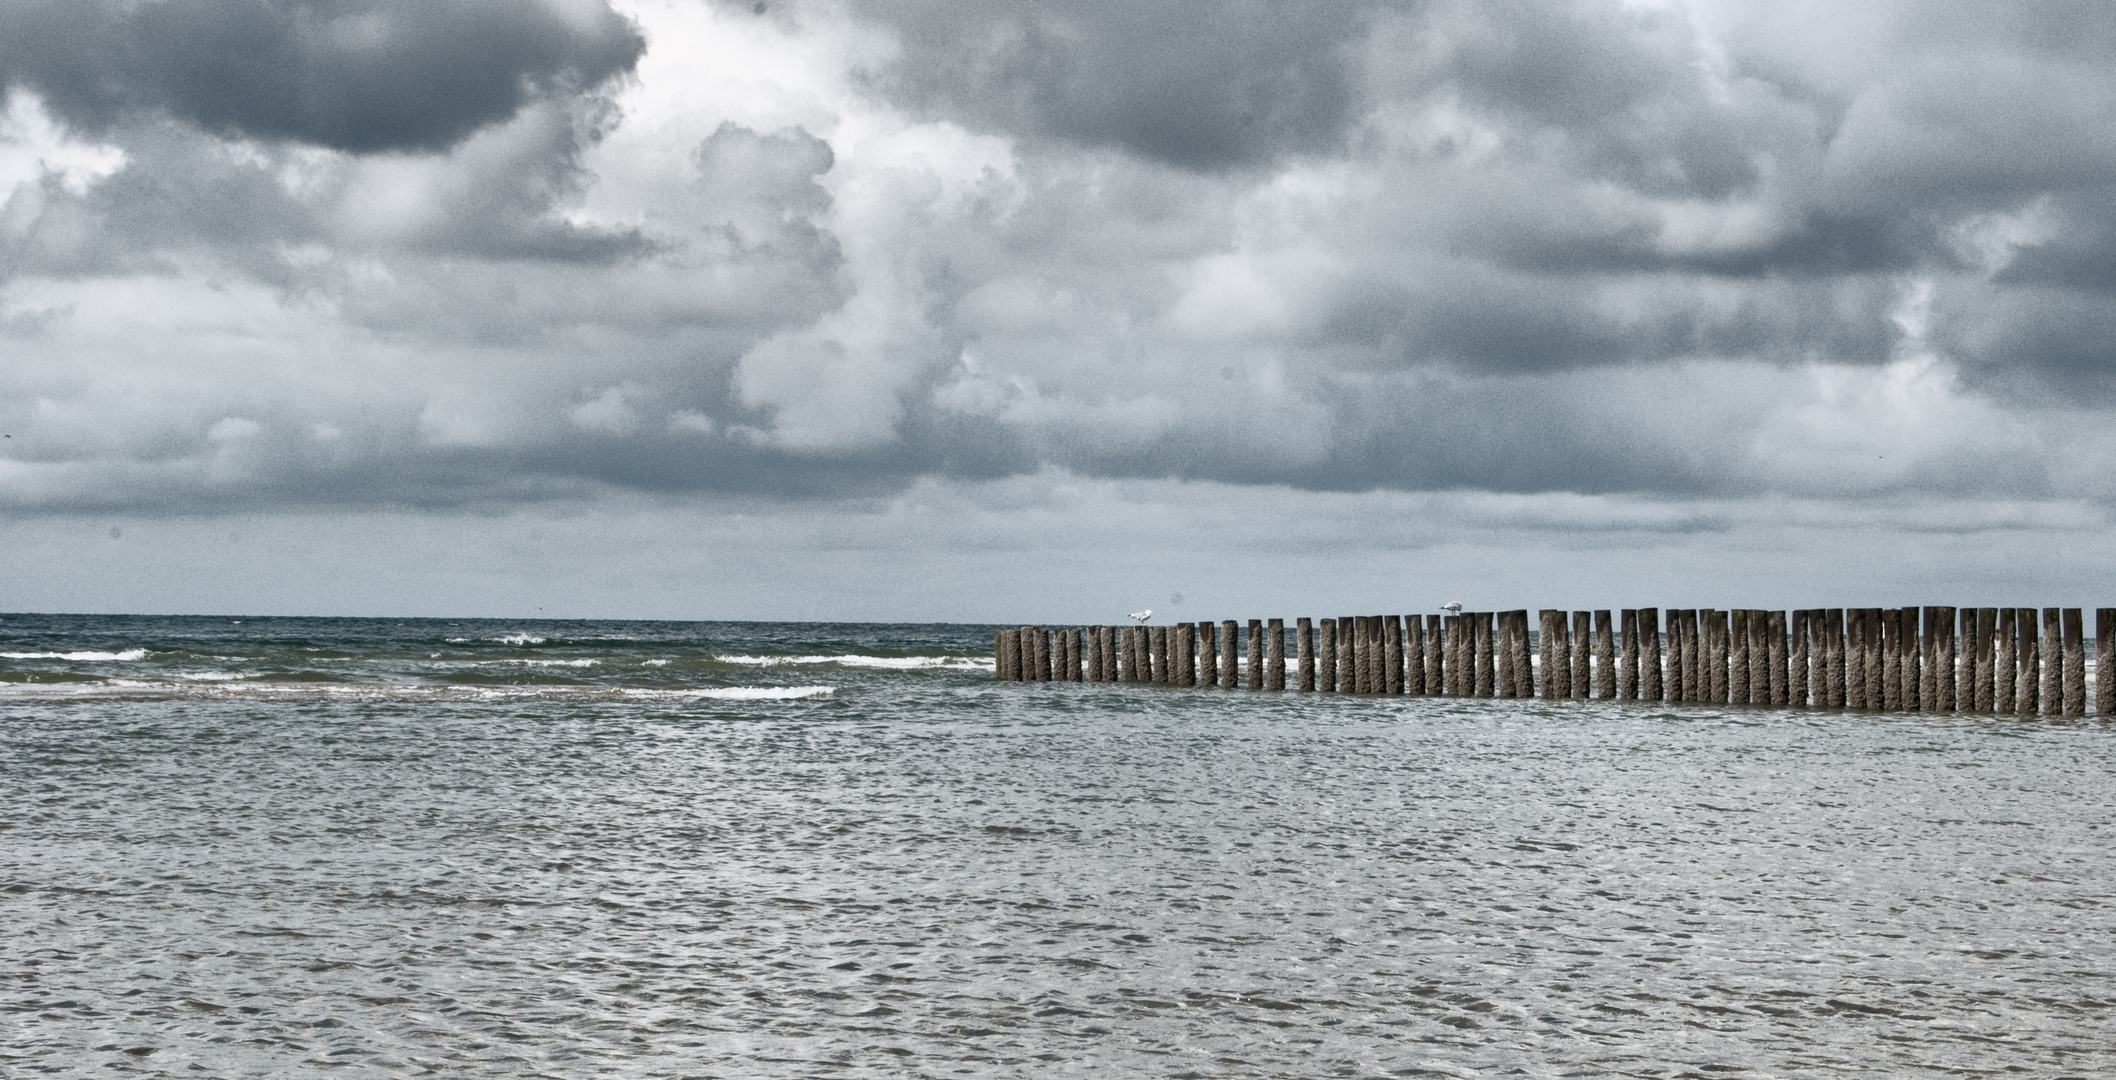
(555, 663)
(518, 639)
(128, 654)
(883, 663)
(234, 689)
(654, 663)
(217, 676)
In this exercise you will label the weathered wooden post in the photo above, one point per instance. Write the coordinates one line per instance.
(1855, 658)
(1605, 655)
(1504, 683)
(1986, 660)
(1715, 635)
(1580, 677)
(1275, 654)
(1627, 656)
(2075, 676)
(1870, 644)
(1304, 647)
(1650, 684)
(1481, 630)
(1738, 656)
(1208, 655)
(1156, 644)
(1230, 655)
(1415, 647)
(1929, 660)
(1188, 650)
(1435, 657)
(1547, 651)
(1351, 656)
(1376, 658)
(1452, 667)
(1832, 628)
(1106, 647)
(1326, 656)
(1255, 655)
(1965, 666)
(1946, 659)
(1891, 660)
(2028, 662)
(2053, 692)
(1774, 658)
(2105, 662)
(1391, 654)
(1006, 655)
(1798, 633)
(1678, 656)
(1913, 655)
(1695, 681)
(2005, 686)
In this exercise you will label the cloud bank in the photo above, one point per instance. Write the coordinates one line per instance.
(330, 254)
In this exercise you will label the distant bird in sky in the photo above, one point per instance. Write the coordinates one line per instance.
(1452, 607)
(1141, 616)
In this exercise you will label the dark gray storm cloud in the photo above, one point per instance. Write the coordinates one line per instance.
(354, 75)
(1201, 84)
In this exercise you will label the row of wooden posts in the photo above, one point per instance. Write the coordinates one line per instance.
(2012, 661)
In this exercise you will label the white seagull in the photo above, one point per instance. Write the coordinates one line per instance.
(1141, 616)
(1452, 607)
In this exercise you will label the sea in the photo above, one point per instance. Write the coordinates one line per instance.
(272, 847)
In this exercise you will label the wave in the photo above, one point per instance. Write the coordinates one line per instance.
(261, 691)
(884, 663)
(515, 639)
(128, 654)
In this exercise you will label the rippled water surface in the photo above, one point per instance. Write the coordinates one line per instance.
(471, 849)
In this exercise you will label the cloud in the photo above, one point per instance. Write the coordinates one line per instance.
(1694, 251)
(356, 75)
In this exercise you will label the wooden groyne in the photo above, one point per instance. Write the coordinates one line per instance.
(1995, 661)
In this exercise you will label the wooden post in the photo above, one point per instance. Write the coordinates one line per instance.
(2005, 684)
(2028, 661)
(1353, 657)
(1481, 631)
(1832, 652)
(2075, 675)
(1678, 657)
(1230, 655)
(1965, 667)
(1035, 654)
(1929, 660)
(1156, 654)
(1580, 677)
(1796, 674)
(1695, 680)
(1944, 656)
(1627, 657)
(1006, 653)
(1738, 656)
(1255, 655)
(1435, 657)
(1376, 658)
(1414, 655)
(1304, 646)
(1504, 684)
(1456, 662)
(1275, 654)
(1208, 655)
(1910, 646)
(1392, 654)
(1890, 661)
(1326, 656)
(1872, 646)
(1768, 650)
(1715, 639)
(2105, 662)
(1605, 655)
(1650, 685)
(1985, 659)
(1547, 651)
(2053, 693)
(1855, 658)
(1187, 648)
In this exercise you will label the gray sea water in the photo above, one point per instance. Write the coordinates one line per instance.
(294, 847)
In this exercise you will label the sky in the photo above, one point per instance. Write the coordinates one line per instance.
(905, 310)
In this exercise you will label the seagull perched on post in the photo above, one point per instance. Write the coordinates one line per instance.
(1452, 607)
(1141, 616)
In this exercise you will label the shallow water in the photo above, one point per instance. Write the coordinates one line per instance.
(370, 859)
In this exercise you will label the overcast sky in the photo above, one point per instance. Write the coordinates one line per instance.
(1015, 311)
